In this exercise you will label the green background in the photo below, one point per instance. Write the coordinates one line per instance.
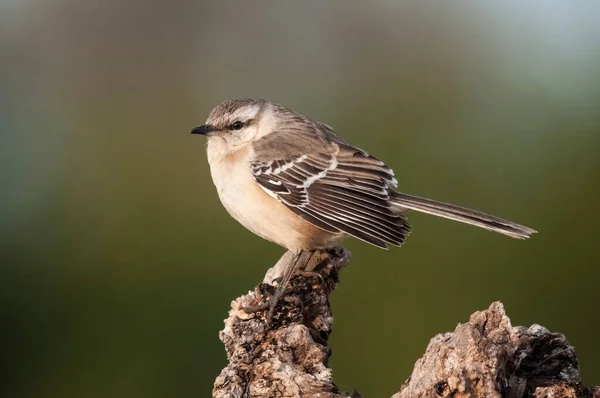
(118, 263)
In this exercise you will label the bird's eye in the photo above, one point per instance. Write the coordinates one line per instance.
(237, 125)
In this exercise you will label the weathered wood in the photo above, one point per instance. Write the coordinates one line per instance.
(485, 357)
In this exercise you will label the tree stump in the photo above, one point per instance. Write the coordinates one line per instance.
(485, 357)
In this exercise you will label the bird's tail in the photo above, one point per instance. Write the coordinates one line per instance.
(403, 202)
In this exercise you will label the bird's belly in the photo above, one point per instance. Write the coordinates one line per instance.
(262, 214)
(247, 206)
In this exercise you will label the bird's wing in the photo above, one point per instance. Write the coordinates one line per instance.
(343, 190)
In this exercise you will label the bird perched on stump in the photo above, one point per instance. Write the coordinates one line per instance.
(293, 181)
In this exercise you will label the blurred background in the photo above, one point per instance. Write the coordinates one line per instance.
(118, 263)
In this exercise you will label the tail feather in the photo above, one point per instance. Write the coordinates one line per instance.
(405, 202)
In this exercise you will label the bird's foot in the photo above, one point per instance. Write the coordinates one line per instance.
(313, 273)
(271, 299)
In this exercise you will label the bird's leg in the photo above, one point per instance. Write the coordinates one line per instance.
(301, 259)
(312, 267)
(288, 274)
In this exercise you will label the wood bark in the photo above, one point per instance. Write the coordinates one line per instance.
(484, 357)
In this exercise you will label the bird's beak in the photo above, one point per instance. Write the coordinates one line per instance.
(205, 129)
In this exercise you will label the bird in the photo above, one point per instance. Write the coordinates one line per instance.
(293, 181)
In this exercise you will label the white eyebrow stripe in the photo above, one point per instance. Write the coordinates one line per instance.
(245, 113)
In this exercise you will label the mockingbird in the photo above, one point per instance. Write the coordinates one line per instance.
(293, 181)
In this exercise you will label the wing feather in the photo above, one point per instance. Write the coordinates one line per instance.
(351, 220)
(347, 229)
(346, 190)
(386, 223)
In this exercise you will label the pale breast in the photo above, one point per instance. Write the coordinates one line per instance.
(256, 210)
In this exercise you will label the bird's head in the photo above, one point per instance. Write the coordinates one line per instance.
(234, 122)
